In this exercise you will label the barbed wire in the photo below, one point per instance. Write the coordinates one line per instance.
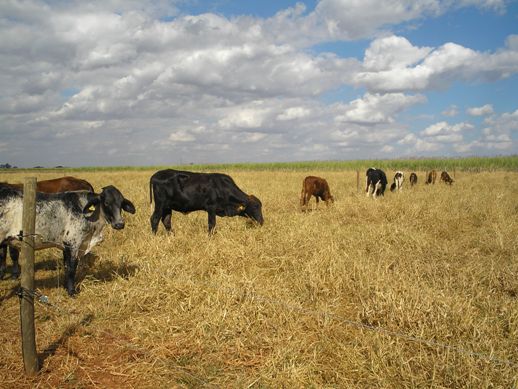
(44, 300)
(39, 297)
(373, 328)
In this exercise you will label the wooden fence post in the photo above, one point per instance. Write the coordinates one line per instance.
(357, 180)
(30, 358)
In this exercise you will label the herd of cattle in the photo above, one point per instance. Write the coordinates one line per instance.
(71, 216)
(377, 180)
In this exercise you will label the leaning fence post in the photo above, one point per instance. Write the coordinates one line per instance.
(30, 358)
(357, 180)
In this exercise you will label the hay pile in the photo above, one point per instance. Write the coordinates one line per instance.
(343, 296)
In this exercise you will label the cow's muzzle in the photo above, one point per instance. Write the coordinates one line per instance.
(118, 225)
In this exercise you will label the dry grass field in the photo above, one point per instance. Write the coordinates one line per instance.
(416, 289)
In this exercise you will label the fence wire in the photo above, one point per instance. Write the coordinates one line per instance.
(378, 329)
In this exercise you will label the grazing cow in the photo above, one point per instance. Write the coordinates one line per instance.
(413, 179)
(185, 192)
(431, 176)
(376, 182)
(399, 177)
(445, 177)
(56, 185)
(64, 220)
(315, 186)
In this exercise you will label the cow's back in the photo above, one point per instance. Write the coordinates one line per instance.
(185, 191)
(50, 208)
(63, 184)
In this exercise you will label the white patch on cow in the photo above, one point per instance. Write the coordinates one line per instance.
(11, 211)
(55, 225)
(399, 177)
(369, 189)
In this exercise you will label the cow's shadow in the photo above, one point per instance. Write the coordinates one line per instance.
(89, 267)
(105, 270)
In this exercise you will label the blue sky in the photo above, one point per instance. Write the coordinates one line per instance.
(155, 83)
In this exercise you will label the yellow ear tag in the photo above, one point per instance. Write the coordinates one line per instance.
(91, 208)
(241, 208)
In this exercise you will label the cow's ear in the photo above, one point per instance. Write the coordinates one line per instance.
(128, 206)
(94, 201)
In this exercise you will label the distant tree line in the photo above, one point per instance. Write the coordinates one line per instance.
(7, 166)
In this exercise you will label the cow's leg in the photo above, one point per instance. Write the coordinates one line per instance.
(15, 254)
(308, 199)
(166, 219)
(212, 221)
(317, 200)
(3, 256)
(302, 198)
(70, 259)
(369, 187)
(376, 188)
(155, 219)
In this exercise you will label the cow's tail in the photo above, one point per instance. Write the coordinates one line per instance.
(150, 191)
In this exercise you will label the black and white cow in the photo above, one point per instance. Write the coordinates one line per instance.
(376, 182)
(55, 185)
(63, 220)
(186, 192)
(397, 185)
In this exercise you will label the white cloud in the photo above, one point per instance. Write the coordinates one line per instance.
(393, 52)
(505, 123)
(426, 146)
(377, 108)
(135, 70)
(443, 128)
(481, 111)
(292, 113)
(181, 136)
(245, 117)
(346, 20)
(451, 111)
(435, 70)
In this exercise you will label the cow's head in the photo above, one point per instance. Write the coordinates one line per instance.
(252, 209)
(108, 204)
(327, 196)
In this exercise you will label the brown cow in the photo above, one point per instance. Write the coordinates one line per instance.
(315, 186)
(445, 177)
(431, 176)
(413, 179)
(56, 185)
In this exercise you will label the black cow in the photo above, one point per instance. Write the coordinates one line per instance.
(185, 192)
(63, 220)
(376, 182)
